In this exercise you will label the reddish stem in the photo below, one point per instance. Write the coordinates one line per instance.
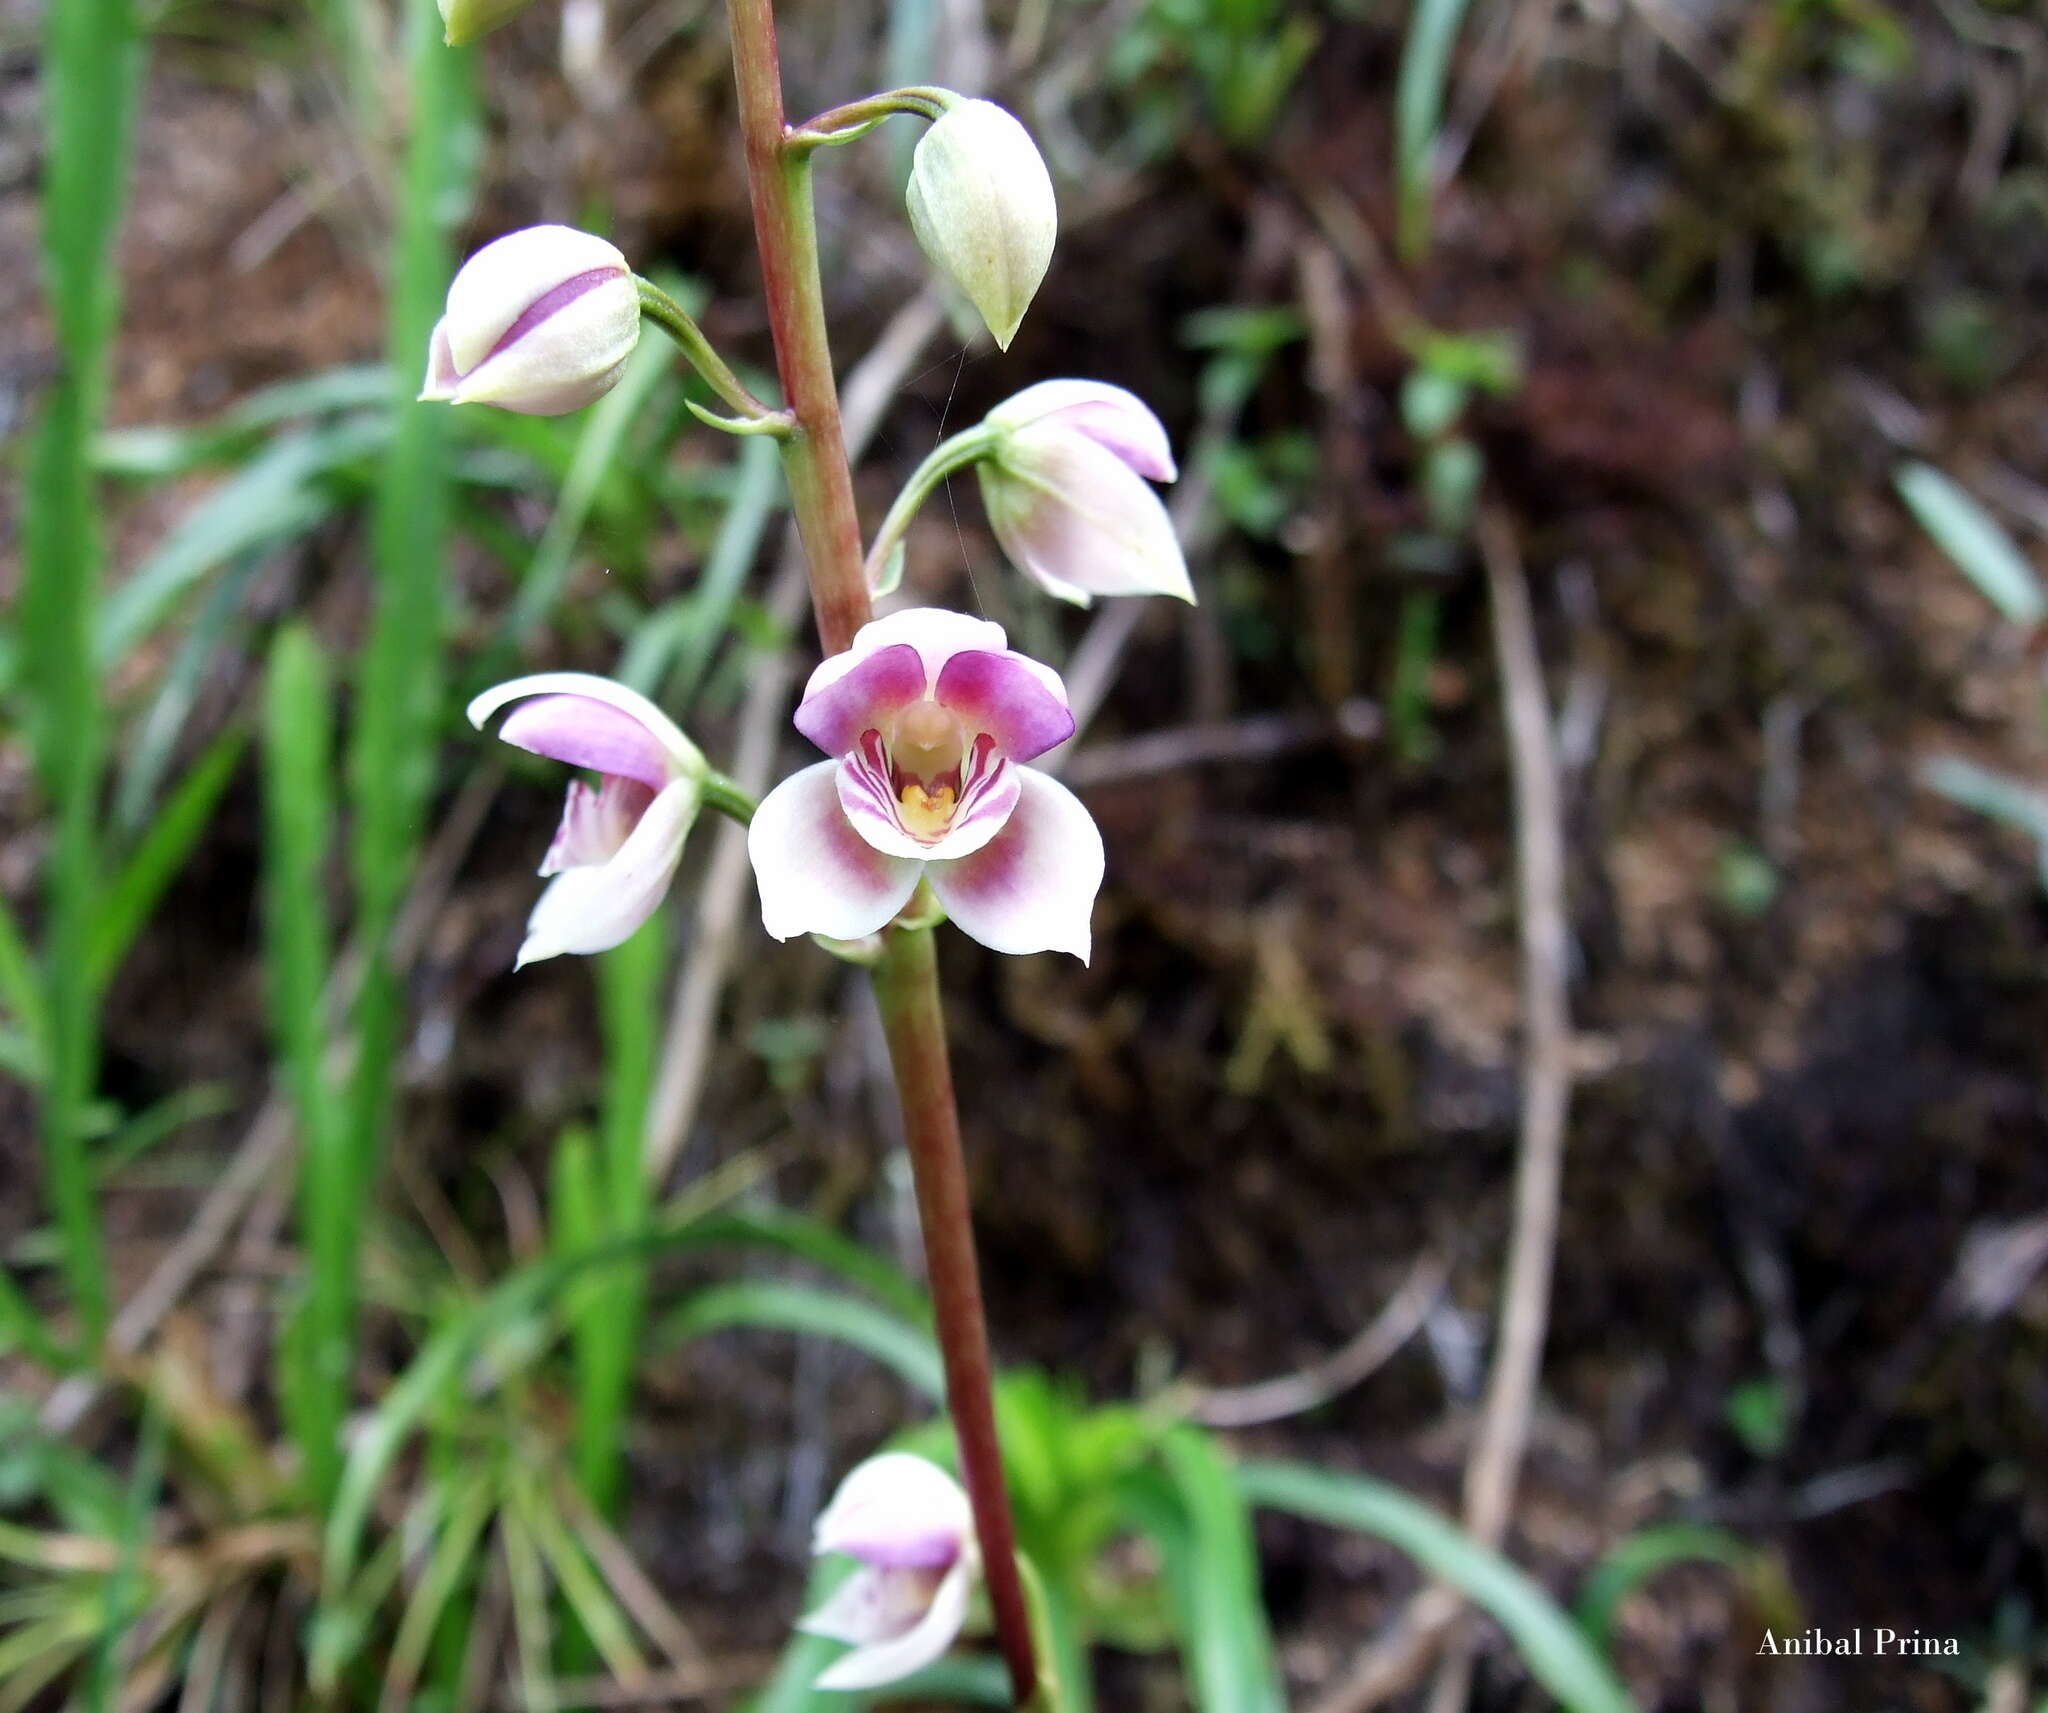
(907, 984)
(821, 485)
(907, 977)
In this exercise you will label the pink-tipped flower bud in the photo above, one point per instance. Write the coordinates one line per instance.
(982, 206)
(1065, 487)
(540, 322)
(463, 21)
(907, 1525)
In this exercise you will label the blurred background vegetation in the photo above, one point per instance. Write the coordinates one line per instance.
(380, 1327)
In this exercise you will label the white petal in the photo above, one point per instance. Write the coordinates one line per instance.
(1032, 887)
(1109, 415)
(882, 1662)
(897, 1509)
(688, 758)
(816, 874)
(569, 360)
(586, 910)
(1075, 516)
(502, 280)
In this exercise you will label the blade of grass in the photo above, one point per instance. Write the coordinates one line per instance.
(907, 1351)
(1201, 1525)
(134, 892)
(1418, 112)
(1555, 1650)
(1642, 1556)
(122, 1601)
(398, 680)
(598, 445)
(299, 823)
(21, 987)
(607, 1331)
(92, 68)
(1972, 538)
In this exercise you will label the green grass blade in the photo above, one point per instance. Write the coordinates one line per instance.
(134, 891)
(123, 1600)
(1642, 1556)
(1213, 1573)
(399, 688)
(1973, 539)
(299, 828)
(1418, 112)
(778, 1305)
(603, 430)
(92, 66)
(21, 989)
(1555, 1650)
(278, 496)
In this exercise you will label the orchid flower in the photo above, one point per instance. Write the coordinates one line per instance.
(541, 322)
(982, 206)
(929, 717)
(1065, 487)
(908, 1525)
(620, 840)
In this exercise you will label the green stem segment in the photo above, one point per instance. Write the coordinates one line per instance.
(907, 985)
(855, 119)
(947, 458)
(674, 320)
(906, 977)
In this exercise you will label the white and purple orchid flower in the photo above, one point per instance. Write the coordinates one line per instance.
(540, 322)
(1065, 488)
(929, 717)
(620, 840)
(908, 1525)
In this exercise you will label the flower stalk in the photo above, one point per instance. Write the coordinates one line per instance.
(907, 985)
(785, 229)
(948, 458)
(674, 320)
(906, 975)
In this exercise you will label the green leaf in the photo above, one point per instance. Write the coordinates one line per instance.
(134, 892)
(1418, 110)
(1555, 1650)
(1972, 537)
(278, 496)
(1205, 1539)
(908, 1351)
(298, 802)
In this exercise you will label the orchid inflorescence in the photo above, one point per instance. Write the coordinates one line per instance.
(925, 807)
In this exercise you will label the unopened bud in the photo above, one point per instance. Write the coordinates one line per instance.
(981, 204)
(540, 322)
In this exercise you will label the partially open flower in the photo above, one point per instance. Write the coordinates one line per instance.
(908, 1525)
(620, 840)
(540, 322)
(1065, 488)
(981, 204)
(928, 716)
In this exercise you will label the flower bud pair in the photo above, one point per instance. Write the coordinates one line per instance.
(540, 322)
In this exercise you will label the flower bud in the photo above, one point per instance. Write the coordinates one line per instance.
(1065, 489)
(540, 322)
(465, 20)
(981, 204)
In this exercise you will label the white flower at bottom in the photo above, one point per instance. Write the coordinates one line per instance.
(909, 1527)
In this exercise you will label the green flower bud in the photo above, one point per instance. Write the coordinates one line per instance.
(981, 204)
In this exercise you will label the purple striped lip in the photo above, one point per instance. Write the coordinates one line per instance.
(550, 302)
